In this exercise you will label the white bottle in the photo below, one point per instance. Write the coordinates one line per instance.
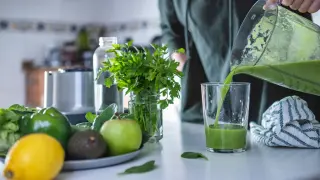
(104, 96)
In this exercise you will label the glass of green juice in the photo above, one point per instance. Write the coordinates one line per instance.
(225, 112)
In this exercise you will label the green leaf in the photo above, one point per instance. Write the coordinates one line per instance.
(16, 110)
(81, 127)
(84, 125)
(116, 46)
(12, 138)
(146, 167)
(90, 117)
(10, 126)
(4, 146)
(140, 70)
(163, 104)
(108, 82)
(193, 155)
(106, 115)
(122, 116)
(130, 43)
(3, 154)
(18, 107)
(8, 116)
(127, 116)
(181, 50)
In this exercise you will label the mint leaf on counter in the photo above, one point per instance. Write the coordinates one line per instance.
(146, 167)
(193, 155)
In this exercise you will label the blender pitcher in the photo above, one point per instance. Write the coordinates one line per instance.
(278, 46)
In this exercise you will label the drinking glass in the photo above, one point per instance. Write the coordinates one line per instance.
(225, 112)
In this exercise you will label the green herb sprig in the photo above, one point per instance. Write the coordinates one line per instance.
(143, 71)
(146, 167)
(193, 155)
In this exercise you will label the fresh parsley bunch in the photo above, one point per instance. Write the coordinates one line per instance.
(143, 72)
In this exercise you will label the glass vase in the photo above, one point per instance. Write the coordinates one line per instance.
(147, 112)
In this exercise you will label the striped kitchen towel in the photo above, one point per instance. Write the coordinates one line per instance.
(288, 122)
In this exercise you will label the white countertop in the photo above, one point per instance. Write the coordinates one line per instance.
(258, 163)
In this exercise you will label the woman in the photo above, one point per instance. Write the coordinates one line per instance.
(201, 27)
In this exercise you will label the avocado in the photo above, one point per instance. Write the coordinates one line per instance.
(87, 144)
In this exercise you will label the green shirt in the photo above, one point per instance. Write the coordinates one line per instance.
(208, 28)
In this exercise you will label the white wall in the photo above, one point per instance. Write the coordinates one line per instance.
(17, 46)
(131, 11)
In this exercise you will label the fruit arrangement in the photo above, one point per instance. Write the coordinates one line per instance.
(43, 139)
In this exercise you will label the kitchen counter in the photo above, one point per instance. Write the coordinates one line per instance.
(258, 163)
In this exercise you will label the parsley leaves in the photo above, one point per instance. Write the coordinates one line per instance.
(143, 71)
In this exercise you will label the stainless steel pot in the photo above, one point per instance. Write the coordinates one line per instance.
(69, 90)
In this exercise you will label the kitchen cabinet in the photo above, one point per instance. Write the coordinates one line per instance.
(34, 85)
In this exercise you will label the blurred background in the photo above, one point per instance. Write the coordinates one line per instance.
(41, 35)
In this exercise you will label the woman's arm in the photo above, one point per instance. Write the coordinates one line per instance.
(172, 30)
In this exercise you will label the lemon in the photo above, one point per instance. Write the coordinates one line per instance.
(34, 157)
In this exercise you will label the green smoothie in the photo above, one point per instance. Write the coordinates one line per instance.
(283, 51)
(301, 76)
(226, 138)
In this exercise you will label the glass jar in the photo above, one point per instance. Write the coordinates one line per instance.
(104, 96)
(148, 113)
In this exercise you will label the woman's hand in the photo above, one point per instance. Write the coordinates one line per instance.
(303, 6)
(181, 58)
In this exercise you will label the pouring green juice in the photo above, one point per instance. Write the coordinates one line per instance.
(282, 48)
(233, 136)
(308, 80)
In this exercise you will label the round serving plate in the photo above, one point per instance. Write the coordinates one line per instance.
(75, 165)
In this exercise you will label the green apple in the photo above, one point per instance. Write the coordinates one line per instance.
(122, 136)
